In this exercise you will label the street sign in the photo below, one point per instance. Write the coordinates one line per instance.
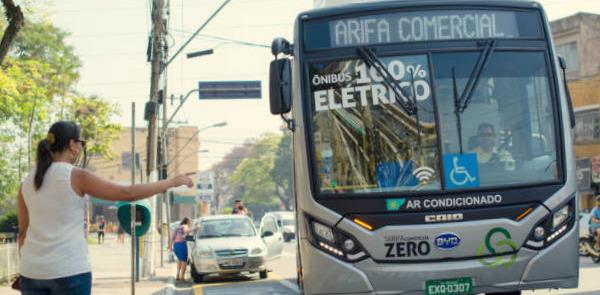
(229, 90)
(204, 185)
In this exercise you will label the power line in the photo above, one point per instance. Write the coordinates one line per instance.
(246, 43)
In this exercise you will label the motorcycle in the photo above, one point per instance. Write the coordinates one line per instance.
(589, 244)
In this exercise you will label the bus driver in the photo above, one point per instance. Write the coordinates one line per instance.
(486, 151)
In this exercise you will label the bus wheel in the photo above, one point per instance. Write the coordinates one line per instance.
(505, 293)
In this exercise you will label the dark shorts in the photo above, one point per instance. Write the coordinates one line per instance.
(180, 250)
(80, 284)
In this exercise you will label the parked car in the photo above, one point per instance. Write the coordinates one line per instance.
(230, 244)
(584, 231)
(286, 223)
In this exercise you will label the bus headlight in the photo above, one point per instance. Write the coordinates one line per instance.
(323, 231)
(552, 227)
(335, 241)
(560, 216)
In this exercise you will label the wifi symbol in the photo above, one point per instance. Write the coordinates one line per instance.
(424, 174)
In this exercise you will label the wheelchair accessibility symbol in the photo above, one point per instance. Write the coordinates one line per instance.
(461, 170)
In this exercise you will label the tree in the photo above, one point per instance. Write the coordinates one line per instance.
(37, 80)
(93, 115)
(253, 175)
(222, 170)
(282, 171)
(15, 19)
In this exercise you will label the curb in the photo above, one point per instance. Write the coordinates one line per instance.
(170, 288)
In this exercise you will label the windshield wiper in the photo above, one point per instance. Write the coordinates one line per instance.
(482, 61)
(371, 59)
(461, 104)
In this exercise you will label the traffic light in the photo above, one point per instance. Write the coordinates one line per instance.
(142, 218)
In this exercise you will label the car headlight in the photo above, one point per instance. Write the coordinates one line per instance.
(258, 251)
(204, 253)
(552, 227)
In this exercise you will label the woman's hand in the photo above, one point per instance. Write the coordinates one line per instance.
(183, 179)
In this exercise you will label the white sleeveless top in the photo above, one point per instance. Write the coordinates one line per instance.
(55, 245)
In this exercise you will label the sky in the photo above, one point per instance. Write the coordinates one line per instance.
(110, 37)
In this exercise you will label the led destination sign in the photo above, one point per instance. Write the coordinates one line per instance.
(422, 26)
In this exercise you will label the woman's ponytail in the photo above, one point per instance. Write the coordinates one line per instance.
(57, 140)
(44, 160)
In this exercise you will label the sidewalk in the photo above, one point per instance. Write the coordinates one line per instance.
(111, 272)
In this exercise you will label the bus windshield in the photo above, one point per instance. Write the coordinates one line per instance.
(479, 121)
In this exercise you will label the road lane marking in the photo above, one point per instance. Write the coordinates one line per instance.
(284, 282)
(199, 288)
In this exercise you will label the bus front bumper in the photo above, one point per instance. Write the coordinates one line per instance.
(554, 267)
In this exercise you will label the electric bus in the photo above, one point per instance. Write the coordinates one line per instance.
(432, 148)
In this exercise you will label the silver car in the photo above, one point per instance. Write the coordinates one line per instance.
(229, 244)
(286, 223)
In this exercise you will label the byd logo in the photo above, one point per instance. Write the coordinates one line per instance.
(444, 217)
(447, 241)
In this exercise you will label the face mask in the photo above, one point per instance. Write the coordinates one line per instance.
(81, 161)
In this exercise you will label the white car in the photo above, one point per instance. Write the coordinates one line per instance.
(230, 244)
(285, 221)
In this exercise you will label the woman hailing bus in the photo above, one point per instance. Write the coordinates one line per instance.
(51, 204)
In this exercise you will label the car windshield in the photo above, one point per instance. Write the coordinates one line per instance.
(478, 121)
(288, 222)
(226, 228)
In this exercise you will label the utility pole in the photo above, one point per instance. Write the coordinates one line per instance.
(151, 114)
(166, 212)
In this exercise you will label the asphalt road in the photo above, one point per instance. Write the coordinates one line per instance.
(282, 280)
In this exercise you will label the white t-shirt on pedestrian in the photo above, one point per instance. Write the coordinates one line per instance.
(55, 244)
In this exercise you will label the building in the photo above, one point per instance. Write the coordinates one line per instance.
(183, 158)
(577, 39)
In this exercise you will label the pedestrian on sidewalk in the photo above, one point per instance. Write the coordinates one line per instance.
(120, 235)
(101, 229)
(179, 246)
(51, 204)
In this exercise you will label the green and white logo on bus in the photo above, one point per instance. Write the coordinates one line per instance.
(504, 245)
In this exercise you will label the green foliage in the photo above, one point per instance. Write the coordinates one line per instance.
(263, 178)
(282, 170)
(37, 83)
(9, 222)
(93, 115)
(253, 176)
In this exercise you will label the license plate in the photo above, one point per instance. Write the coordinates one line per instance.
(233, 262)
(449, 287)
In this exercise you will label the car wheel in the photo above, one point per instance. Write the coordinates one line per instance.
(196, 277)
(263, 274)
(582, 247)
(595, 259)
(286, 238)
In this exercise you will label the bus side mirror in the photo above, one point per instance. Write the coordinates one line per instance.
(563, 66)
(280, 86)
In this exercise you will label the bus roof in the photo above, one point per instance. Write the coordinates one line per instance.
(376, 5)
